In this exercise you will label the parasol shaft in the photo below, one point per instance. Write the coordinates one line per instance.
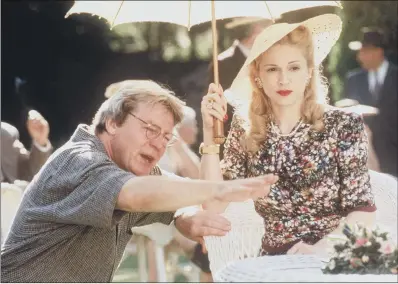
(215, 40)
(218, 128)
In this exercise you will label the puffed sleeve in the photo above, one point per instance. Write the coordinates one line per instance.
(234, 164)
(352, 155)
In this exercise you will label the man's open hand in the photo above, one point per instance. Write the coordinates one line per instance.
(244, 189)
(202, 223)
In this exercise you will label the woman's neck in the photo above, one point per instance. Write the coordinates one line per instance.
(286, 117)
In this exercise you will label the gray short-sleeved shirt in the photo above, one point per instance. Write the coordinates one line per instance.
(67, 228)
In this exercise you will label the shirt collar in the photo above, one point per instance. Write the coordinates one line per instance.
(243, 49)
(84, 132)
(381, 71)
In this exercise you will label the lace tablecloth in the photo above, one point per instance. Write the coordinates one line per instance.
(289, 268)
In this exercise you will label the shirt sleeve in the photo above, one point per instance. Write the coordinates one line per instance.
(234, 164)
(89, 192)
(352, 155)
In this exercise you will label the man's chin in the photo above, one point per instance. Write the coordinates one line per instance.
(142, 171)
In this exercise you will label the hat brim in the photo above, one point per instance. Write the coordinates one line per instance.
(325, 31)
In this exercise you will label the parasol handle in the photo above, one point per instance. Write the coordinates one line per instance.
(218, 126)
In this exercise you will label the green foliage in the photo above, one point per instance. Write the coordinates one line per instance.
(355, 15)
(167, 42)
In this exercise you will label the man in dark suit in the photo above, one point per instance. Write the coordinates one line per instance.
(375, 84)
(17, 163)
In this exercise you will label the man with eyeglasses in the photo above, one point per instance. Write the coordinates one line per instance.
(76, 215)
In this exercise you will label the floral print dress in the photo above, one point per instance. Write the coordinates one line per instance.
(322, 177)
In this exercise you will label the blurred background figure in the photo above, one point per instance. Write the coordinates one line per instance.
(188, 128)
(18, 163)
(179, 158)
(375, 84)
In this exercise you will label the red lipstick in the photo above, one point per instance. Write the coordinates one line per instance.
(284, 93)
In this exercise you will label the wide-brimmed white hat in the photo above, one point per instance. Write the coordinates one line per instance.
(325, 31)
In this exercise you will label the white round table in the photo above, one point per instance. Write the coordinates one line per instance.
(289, 268)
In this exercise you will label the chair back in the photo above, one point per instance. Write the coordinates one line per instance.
(244, 239)
(384, 188)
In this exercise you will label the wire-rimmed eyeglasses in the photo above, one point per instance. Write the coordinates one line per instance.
(153, 131)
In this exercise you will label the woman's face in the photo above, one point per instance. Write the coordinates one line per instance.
(284, 73)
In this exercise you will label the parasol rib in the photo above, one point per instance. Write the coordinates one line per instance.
(117, 14)
(269, 11)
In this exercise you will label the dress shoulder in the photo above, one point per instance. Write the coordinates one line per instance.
(340, 118)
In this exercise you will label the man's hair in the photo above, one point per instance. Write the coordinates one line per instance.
(127, 95)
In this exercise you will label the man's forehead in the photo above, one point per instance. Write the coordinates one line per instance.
(150, 108)
(155, 113)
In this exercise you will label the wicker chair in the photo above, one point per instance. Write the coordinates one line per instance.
(244, 239)
(384, 189)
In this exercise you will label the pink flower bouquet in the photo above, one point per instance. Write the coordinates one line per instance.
(364, 252)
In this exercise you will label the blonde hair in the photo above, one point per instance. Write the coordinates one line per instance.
(260, 109)
(125, 96)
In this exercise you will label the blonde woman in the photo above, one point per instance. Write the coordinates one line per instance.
(283, 126)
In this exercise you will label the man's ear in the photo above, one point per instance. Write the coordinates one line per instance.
(111, 126)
